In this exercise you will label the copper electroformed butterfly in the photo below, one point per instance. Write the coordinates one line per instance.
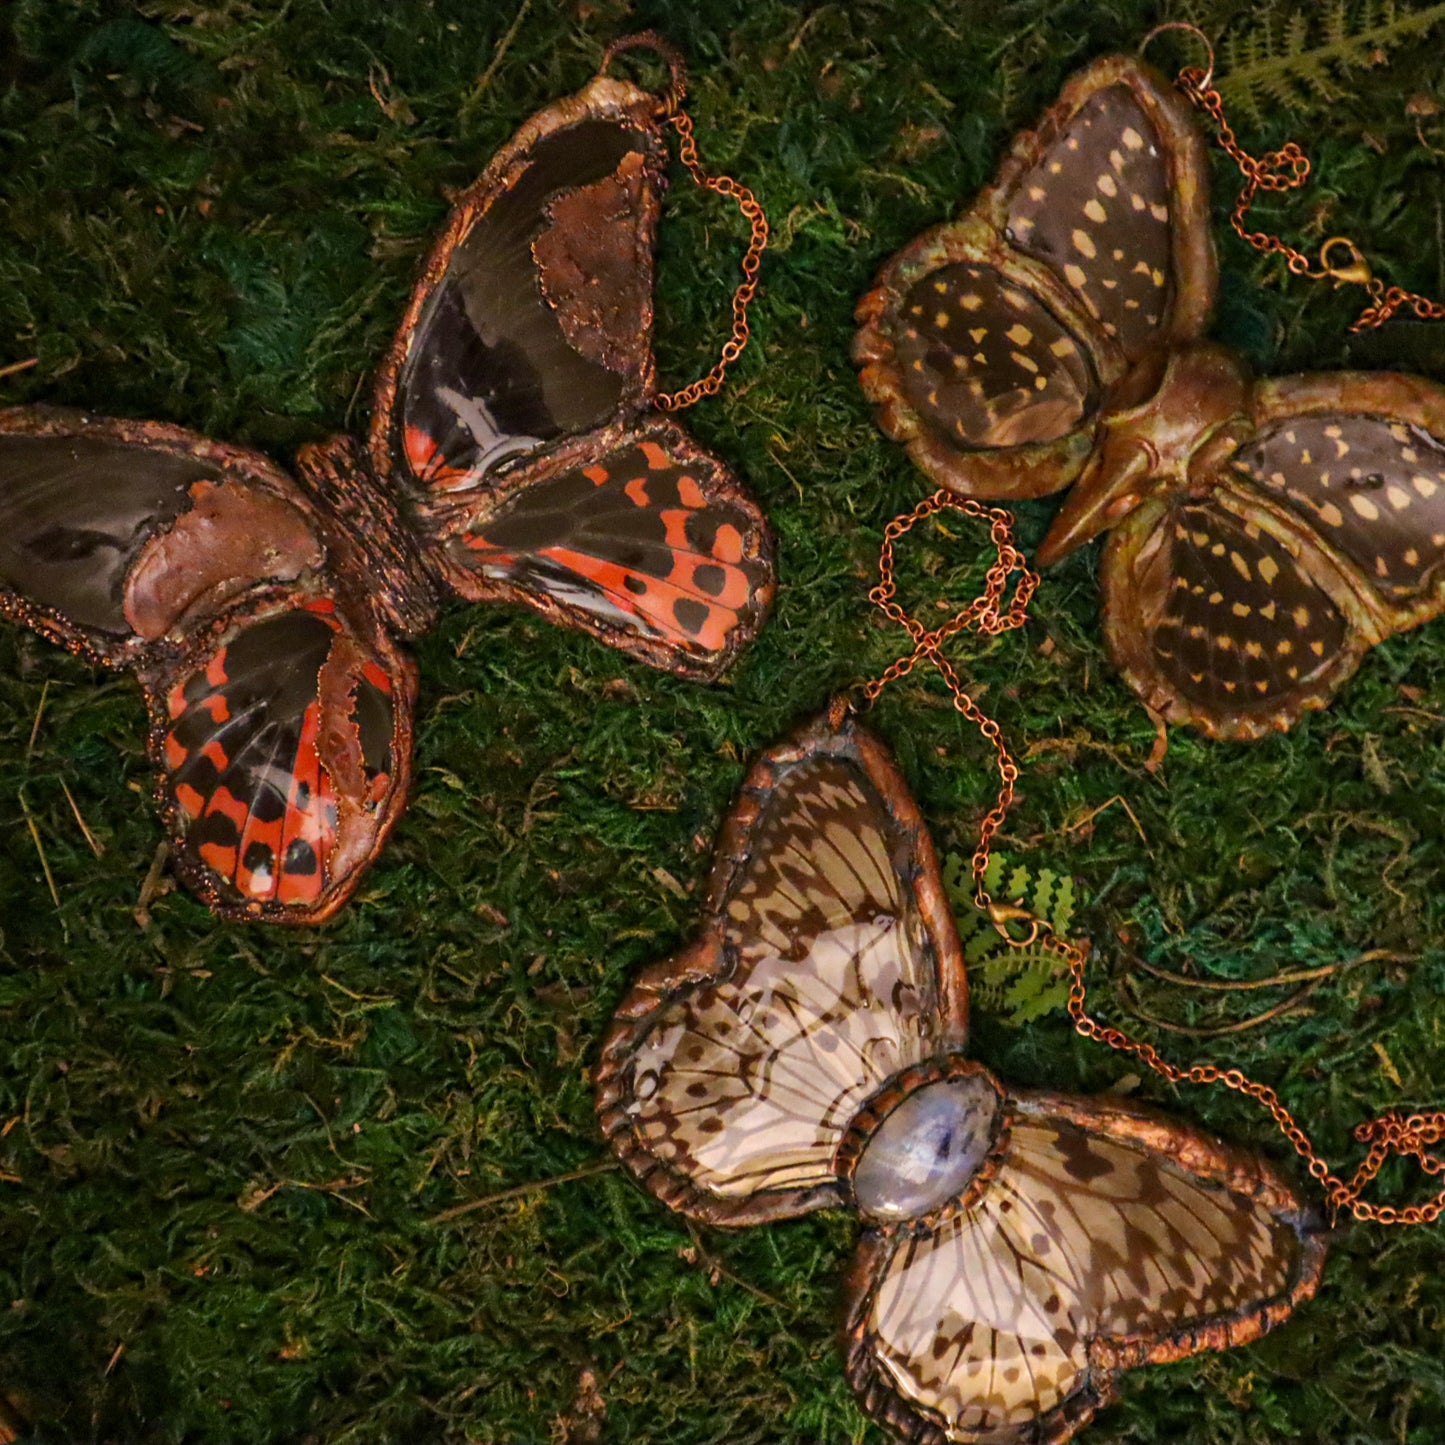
(1266, 534)
(1021, 1249)
(514, 455)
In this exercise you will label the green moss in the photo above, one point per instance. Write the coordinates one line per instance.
(221, 1146)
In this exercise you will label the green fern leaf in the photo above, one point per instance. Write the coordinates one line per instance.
(1017, 985)
(1296, 57)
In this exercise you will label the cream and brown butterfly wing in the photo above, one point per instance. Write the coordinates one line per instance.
(829, 961)
(1238, 609)
(1107, 1238)
(990, 345)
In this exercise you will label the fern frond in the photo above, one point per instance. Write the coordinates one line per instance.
(1017, 984)
(1297, 58)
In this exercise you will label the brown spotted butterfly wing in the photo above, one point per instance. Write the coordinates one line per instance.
(1266, 534)
(991, 345)
(1315, 529)
(514, 456)
(1021, 1249)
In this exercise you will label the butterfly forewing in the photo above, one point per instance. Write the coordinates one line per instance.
(283, 752)
(1095, 207)
(733, 1072)
(533, 319)
(111, 531)
(1373, 487)
(648, 543)
(1100, 1243)
(1220, 616)
(990, 344)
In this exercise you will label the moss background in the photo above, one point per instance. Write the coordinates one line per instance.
(220, 1148)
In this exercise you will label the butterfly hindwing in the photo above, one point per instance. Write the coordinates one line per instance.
(114, 533)
(990, 344)
(828, 963)
(1320, 533)
(1107, 1238)
(532, 320)
(640, 538)
(1360, 458)
(282, 739)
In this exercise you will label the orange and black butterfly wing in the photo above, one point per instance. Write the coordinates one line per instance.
(282, 740)
(990, 345)
(516, 404)
(1108, 1238)
(828, 963)
(280, 716)
(649, 544)
(1241, 609)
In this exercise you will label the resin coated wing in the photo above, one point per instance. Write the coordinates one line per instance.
(828, 963)
(515, 404)
(532, 321)
(280, 711)
(1247, 599)
(282, 737)
(991, 345)
(1103, 1238)
(643, 540)
(114, 534)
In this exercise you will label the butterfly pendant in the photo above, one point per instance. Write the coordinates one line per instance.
(1265, 534)
(1020, 1249)
(514, 455)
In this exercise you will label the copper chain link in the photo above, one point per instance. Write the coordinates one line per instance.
(673, 113)
(1285, 170)
(1392, 1133)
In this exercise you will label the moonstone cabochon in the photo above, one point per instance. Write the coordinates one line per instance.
(928, 1149)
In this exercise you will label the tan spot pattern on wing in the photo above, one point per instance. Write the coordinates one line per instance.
(988, 1320)
(750, 1083)
(987, 364)
(1373, 487)
(1241, 622)
(1096, 209)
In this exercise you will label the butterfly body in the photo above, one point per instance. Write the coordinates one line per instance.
(1065, 349)
(808, 1050)
(514, 455)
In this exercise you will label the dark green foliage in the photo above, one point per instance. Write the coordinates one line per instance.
(221, 1147)
(1018, 982)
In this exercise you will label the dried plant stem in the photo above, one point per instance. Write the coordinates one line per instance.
(605, 1166)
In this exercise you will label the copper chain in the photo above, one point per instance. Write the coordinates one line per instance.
(1410, 1135)
(1285, 170)
(673, 113)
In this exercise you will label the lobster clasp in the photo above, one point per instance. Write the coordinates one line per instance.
(1003, 914)
(1355, 271)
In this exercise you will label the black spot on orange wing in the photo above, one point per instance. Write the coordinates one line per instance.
(1242, 624)
(1096, 209)
(633, 539)
(1374, 488)
(248, 775)
(987, 364)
